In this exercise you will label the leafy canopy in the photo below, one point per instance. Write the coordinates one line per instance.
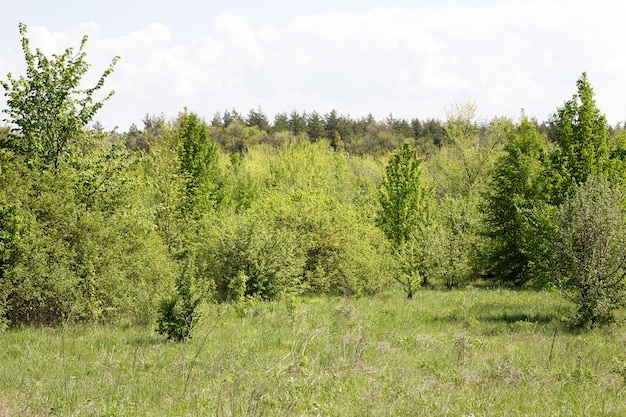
(402, 198)
(47, 106)
(582, 133)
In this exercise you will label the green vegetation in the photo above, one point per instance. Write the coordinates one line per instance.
(404, 217)
(462, 352)
(316, 265)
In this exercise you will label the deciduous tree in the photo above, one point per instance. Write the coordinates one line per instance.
(47, 106)
(403, 214)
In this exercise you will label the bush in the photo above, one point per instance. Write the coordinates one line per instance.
(298, 243)
(62, 257)
(584, 245)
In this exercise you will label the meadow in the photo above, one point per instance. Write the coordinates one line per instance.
(470, 352)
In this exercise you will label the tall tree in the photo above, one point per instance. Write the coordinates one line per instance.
(297, 123)
(281, 123)
(464, 163)
(582, 133)
(259, 119)
(518, 184)
(47, 106)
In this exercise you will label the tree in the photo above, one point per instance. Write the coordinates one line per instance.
(197, 172)
(403, 214)
(47, 106)
(259, 119)
(518, 184)
(582, 134)
(281, 123)
(584, 246)
(297, 123)
(199, 166)
(464, 163)
(315, 127)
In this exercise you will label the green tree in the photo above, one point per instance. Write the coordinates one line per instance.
(584, 246)
(463, 164)
(75, 238)
(258, 119)
(297, 123)
(581, 131)
(315, 127)
(191, 190)
(47, 106)
(199, 166)
(518, 184)
(236, 137)
(403, 214)
(281, 123)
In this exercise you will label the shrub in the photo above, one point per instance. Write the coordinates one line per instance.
(584, 244)
(298, 243)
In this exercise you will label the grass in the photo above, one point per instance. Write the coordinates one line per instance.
(460, 353)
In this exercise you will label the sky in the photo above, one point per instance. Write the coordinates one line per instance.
(409, 59)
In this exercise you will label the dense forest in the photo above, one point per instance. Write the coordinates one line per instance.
(143, 226)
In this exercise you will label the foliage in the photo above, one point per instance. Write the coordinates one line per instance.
(586, 250)
(298, 243)
(47, 106)
(403, 216)
(581, 132)
(462, 166)
(189, 189)
(111, 227)
(402, 197)
(519, 183)
(64, 257)
(237, 137)
(452, 245)
(77, 241)
(199, 167)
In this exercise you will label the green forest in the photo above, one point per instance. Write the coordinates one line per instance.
(145, 227)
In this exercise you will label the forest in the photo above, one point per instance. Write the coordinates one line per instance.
(145, 227)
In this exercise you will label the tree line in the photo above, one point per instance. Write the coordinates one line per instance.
(236, 133)
(144, 226)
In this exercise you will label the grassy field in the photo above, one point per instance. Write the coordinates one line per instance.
(461, 353)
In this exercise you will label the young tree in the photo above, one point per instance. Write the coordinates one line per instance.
(585, 249)
(47, 106)
(297, 123)
(463, 164)
(183, 220)
(403, 214)
(199, 165)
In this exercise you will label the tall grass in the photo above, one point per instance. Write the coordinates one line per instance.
(470, 352)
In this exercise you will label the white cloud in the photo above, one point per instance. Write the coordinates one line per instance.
(412, 61)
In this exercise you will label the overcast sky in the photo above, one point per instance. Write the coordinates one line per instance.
(406, 58)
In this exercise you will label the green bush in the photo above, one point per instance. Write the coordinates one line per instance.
(584, 246)
(298, 243)
(61, 257)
